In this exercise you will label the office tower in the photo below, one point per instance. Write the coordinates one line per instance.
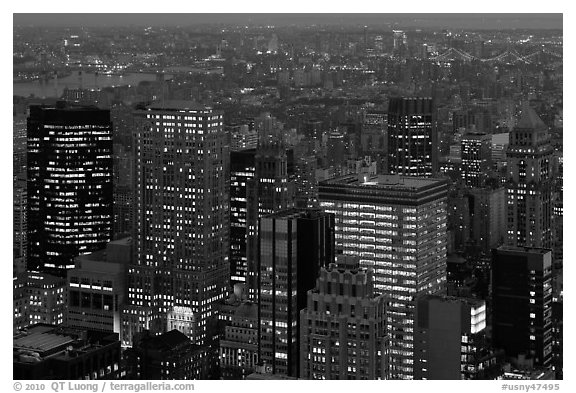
(20, 232)
(374, 136)
(412, 137)
(181, 230)
(450, 341)
(270, 190)
(458, 219)
(61, 353)
(96, 287)
(239, 346)
(293, 246)
(476, 158)
(168, 356)
(343, 327)
(335, 149)
(397, 226)
(521, 303)
(306, 183)
(19, 146)
(38, 298)
(487, 212)
(69, 208)
(242, 137)
(529, 186)
(123, 193)
(242, 172)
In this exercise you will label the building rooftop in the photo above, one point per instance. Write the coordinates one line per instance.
(384, 181)
(530, 119)
(177, 105)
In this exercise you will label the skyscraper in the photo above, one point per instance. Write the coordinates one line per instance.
(529, 186)
(476, 158)
(293, 246)
(69, 185)
(269, 191)
(522, 302)
(343, 327)
(242, 172)
(180, 267)
(397, 226)
(412, 137)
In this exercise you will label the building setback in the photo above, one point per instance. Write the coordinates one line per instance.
(69, 185)
(397, 226)
(343, 327)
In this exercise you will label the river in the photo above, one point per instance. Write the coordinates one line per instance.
(51, 88)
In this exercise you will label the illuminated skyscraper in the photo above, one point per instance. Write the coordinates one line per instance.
(396, 226)
(69, 185)
(476, 160)
(529, 186)
(412, 137)
(180, 267)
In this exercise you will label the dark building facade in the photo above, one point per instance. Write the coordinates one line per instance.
(69, 185)
(242, 172)
(169, 356)
(412, 137)
(293, 246)
(522, 303)
(49, 352)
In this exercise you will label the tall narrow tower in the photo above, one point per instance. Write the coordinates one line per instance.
(529, 186)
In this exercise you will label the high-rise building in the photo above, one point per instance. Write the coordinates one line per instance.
(522, 303)
(19, 148)
(450, 341)
(343, 327)
(306, 184)
(412, 137)
(180, 268)
(397, 226)
(476, 158)
(529, 186)
(487, 208)
(335, 149)
(96, 287)
(20, 231)
(293, 246)
(69, 208)
(269, 191)
(242, 172)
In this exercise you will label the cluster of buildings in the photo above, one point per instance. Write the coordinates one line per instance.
(256, 251)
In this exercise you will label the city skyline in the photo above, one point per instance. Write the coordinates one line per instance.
(288, 196)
